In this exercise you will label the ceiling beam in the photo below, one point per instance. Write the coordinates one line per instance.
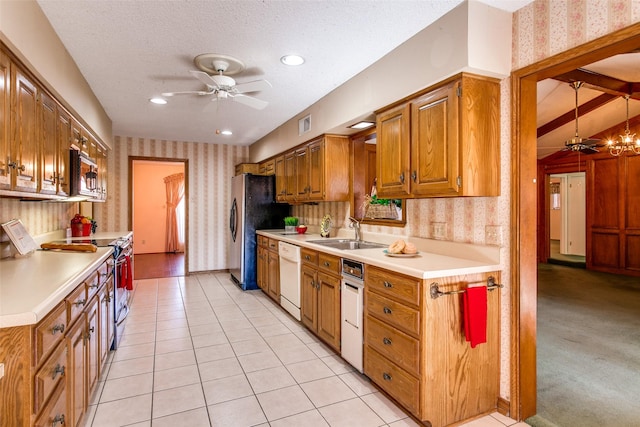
(602, 83)
(570, 116)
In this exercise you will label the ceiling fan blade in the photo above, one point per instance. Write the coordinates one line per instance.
(250, 101)
(254, 86)
(188, 92)
(204, 78)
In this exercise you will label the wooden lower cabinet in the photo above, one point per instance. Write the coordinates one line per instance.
(268, 267)
(52, 368)
(320, 296)
(415, 348)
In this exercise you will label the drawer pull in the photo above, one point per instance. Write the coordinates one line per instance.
(307, 257)
(91, 329)
(327, 263)
(94, 286)
(57, 328)
(388, 285)
(386, 341)
(58, 370)
(80, 302)
(58, 419)
(386, 376)
(387, 310)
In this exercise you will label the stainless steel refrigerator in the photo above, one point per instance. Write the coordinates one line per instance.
(253, 208)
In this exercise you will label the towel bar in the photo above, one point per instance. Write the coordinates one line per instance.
(435, 292)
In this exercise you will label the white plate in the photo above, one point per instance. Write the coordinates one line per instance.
(386, 252)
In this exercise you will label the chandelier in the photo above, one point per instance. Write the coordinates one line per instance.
(626, 143)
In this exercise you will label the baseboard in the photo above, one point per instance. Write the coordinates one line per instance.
(503, 406)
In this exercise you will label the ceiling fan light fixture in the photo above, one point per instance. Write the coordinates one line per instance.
(577, 143)
(158, 100)
(292, 60)
(627, 142)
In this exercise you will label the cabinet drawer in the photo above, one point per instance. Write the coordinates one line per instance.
(104, 271)
(273, 245)
(329, 263)
(393, 285)
(395, 345)
(399, 384)
(92, 283)
(76, 301)
(54, 414)
(263, 240)
(309, 256)
(393, 313)
(48, 333)
(50, 374)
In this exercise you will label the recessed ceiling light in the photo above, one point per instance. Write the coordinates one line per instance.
(159, 101)
(226, 132)
(362, 125)
(292, 60)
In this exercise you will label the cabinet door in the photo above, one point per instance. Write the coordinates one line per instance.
(329, 309)
(434, 143)
(24, 132)
(290, 174)
(48, 121)
(262, 266)
(93, 345)
(5, 108)
(309, 297)
(79, 138)
(101, 161)
(316, 170)
(273, 278)
(302, 174)
(393, 145)
(76, 378)
(281, 179)
(64, 136)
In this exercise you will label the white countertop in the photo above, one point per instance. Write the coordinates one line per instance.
(31, 286)
(435, 258)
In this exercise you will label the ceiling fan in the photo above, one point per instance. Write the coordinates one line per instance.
(583, 145)
(214, 72)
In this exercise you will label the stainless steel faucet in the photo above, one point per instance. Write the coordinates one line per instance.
(355, 224)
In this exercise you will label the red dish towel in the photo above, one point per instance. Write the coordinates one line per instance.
(126, 275)
(475, 315)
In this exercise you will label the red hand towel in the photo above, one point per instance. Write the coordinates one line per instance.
(129, 279)
(475, 315)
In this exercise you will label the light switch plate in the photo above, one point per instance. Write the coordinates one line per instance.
(1, 370)
(439, 230)
(493, 235)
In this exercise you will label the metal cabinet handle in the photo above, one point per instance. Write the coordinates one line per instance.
(414, 176)
(92, 329)
(58, 370)
(80, 302)
(12, 165)
(386, 341)
(327, 263)
(388, 285)
(21, 168)
(387, 310)
(402, 178)
(57, 328)
(307, 257)
(386, 376)
(58, 419)
(96, 285)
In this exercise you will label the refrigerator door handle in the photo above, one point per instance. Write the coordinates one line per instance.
(233, 220)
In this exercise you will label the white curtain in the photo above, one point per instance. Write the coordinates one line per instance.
(175, 196)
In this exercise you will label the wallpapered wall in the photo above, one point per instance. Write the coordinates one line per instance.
(211, 167)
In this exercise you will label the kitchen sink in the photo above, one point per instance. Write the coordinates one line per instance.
(347, 244)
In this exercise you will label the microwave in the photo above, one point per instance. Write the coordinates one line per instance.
(83, 175)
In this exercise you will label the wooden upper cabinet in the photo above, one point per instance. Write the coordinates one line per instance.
(281, 180)
(290, 176)
(48, 121)
(24, 131)
(64, 145)
(393, 146)
(5, 109)
(268, 167)
(443, 142)
(302, 174)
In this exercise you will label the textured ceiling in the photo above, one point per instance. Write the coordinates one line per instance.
(130, 51)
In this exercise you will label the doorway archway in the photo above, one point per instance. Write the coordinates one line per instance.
(523, 257)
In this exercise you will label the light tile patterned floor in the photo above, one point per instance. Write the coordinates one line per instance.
(198, 351)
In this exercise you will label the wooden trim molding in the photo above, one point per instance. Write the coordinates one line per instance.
(503, 406)
(524, 204)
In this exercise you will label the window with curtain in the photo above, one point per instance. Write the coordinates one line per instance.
(175, 212)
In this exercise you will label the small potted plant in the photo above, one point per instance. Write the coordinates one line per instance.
(290, 223)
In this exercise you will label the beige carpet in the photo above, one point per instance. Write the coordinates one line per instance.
(588, 348)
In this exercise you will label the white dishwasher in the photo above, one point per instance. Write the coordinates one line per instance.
(352, 298)
(290, 278)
